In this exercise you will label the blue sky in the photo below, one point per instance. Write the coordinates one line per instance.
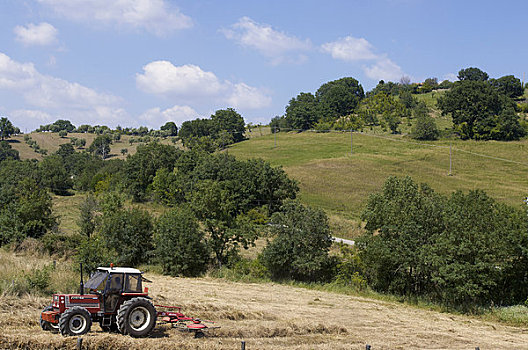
(145, 62)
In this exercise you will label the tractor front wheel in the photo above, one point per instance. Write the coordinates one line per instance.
(48, 326)
(136, 317)
(75, 321)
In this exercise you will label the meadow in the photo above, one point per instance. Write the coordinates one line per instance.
(337, 172)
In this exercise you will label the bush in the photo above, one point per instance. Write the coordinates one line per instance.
(61, 244)
(180, 245)
(349, 270)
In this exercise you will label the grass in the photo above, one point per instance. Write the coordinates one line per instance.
(51, 142)
(333, 179)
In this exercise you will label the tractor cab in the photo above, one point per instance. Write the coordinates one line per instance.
(114, 284)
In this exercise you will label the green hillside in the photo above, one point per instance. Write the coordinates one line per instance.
(332, 178)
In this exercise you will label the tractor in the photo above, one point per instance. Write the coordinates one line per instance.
(114, 297)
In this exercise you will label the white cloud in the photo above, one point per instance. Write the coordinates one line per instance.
(350, 49)
(36, 34)
(245, 96)
(191, 83)
(155, 117)
(277, 46)
(451, 77)
(57, 97)
(385, 69)
(162, 77)
(155, 16)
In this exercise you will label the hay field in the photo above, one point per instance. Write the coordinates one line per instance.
(271, 316)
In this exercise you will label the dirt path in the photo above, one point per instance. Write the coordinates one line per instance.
(269, 316)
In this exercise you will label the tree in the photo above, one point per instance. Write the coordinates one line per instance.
(87, 220)
(180, 245)
(124, 151)
(7, 152)
(230, 121)
(54, 175)
(472, 74)
(472, 105)
(128, 232)
(303, 111)
(101, 146)
(62, 124)
(63, 133)
(481, 254)
(407, 218)
(340, 96)
(300, 246)
(508, 85)
(6, 128)
(171, 128)
(215, 206)
(425, 127)
(141, 167)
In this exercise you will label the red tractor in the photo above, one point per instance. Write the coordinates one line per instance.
(117, 301)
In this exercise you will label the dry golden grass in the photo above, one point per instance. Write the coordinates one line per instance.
(51, 142)
(271, 316)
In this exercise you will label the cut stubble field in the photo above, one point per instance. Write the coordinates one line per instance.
(271, 316)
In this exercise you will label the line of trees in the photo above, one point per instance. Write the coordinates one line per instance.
(464, 250)
(481, 108)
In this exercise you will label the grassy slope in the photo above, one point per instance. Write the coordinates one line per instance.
(52, 141)
(339, 182)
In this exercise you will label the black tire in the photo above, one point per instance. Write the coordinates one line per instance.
(136, 317)
(75, 321)
(48, 326)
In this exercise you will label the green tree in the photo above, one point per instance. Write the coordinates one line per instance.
(341, 96)
(180, 245)
(472, 74)
(6, 128)
(171, 128)
(129, 233)
(88, 218)
(215, 206)
(508, 85)
(478, 253)
(54, 175)
(407, 219)
(63, 125)
(63, 133)
(7, 152)
(303, 111)
(141, 167)
(472, 104)
(101, 146)
(300, 246)
(231, 122)
(425, 127)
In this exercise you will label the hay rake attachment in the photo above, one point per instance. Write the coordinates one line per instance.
(174, 316)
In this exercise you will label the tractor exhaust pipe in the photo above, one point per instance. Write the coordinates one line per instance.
(81, 285)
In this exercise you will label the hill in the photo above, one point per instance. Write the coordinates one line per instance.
(338, 175)
(51, 141)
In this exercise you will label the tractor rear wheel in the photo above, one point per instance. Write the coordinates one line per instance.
(48, 326)
(136, 317)
(75, 321)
